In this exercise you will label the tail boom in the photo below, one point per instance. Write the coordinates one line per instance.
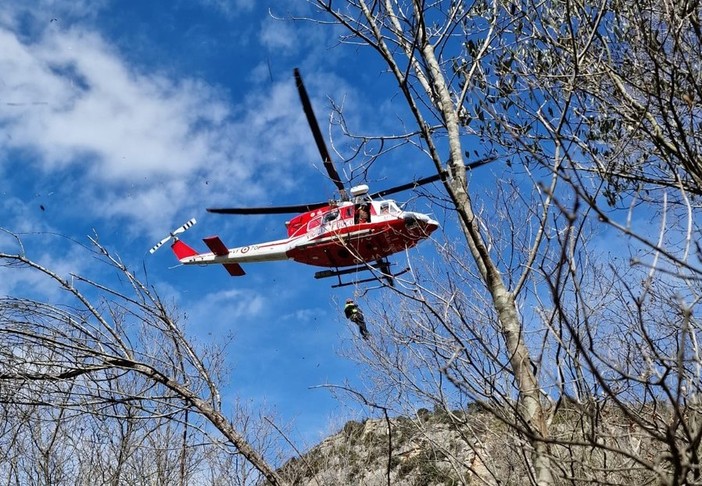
(215, 244)
(185, 255)
(231, 259)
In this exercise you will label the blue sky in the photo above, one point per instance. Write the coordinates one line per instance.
(126, 119)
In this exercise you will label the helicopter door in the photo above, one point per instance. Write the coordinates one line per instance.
(362, 214)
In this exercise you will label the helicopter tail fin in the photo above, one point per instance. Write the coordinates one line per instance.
(220, 249)
(182, 250)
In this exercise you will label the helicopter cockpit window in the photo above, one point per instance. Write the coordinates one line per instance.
(313, 223)
(331, 216)
(389, 207)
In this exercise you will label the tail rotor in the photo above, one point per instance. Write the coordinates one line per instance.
(173, 234)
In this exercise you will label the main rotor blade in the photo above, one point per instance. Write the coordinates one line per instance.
(317, 133)
(300, 208)
(408, 186)
(427, 180)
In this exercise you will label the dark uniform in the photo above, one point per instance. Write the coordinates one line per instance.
(362, 214)
(354, 314)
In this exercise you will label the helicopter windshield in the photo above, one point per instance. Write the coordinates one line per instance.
(388, 207)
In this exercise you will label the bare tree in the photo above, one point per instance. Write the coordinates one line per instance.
(639, 87)
(118, 360)
(412, 48)
(585, 350)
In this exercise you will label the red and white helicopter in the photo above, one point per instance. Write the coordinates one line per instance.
(349, 235)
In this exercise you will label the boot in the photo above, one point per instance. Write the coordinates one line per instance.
(364, 332)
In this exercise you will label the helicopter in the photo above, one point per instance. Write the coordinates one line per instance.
(357, 232)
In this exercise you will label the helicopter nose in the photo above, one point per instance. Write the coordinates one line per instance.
(414, 220)
(411, 220)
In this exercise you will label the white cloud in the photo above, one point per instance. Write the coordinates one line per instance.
(278, 35)
(92, 105)
(121, 142)
(230, 8)
(224, 310)
(37, 14)
(19, 279)
(131, 139)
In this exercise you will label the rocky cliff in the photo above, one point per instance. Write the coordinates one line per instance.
(430, 449)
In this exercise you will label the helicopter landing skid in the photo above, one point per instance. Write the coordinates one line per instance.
(383, 266)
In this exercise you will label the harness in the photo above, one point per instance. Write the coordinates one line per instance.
(350, 309)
